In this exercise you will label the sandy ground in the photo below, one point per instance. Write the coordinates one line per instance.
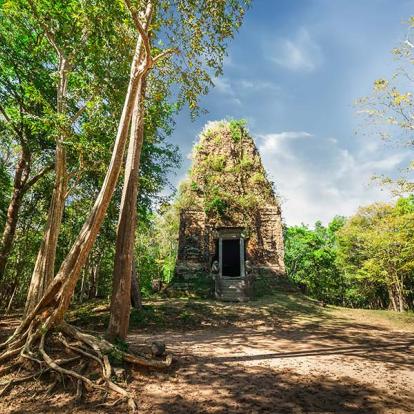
(329, 363)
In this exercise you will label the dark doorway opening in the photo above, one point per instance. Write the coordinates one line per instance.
(231, 257)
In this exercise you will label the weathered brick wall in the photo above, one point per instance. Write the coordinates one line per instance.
(265, 247)
(192, 245)
(264, 243)
(192, 235)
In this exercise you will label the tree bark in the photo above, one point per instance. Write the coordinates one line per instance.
(44, 269)
(45, 263)
(136, 299)
(123, 262)
(11, 299)
(402, 304)
(391, 295)
(94, 278)
(19, 188)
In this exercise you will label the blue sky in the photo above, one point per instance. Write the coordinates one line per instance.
(294, 71)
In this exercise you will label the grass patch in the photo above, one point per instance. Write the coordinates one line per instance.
(387, 318)
(188, 313)
(278, 308)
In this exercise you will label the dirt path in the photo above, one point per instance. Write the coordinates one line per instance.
(340, 368)
(326, 362)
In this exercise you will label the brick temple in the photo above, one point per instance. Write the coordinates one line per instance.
(230, 219)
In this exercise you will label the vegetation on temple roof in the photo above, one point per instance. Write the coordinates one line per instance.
(227, 178)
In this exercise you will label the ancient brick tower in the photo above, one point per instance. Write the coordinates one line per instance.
(230, 219)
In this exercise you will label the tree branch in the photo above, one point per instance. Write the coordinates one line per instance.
(80, 111)
(38, 176)
(142, 28)
(49, 34)
(163, 54)
(8, 119)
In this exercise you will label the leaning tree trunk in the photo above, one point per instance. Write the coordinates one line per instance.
(19, 189)
(50, 310)
(121, 280)
(44, 269)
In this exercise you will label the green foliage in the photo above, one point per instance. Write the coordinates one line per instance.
(116, 353)
(247, 201)
(364, 261)
(310, 258)
(156, 247)
(216, 162)
(99, 40)
(216, 206)
(237, 129)
(194, 186)
(377, 252)
(246, 163)
(258, 178)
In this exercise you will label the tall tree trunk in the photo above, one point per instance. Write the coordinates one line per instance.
(19, 189)
(136, 299)
(402, 304)
(82, 287)
(391, 295)
(11, 299)
(121, 279)
(55, 301)
(44, 269)
(45, 263)
(94, 278)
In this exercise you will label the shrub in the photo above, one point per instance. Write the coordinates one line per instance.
(216, 205)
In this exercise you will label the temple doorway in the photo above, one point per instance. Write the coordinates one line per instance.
(231, 258)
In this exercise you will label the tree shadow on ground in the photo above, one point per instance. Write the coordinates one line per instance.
(228, 388)
(324, 337)
(229, 380)
(215, 374)
(385, 353)
(32, 397)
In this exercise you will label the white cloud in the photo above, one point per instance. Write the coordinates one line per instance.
(273, 143)
(318, 179)
(224, 87)
(228, 62)
(301, 53)
(257, 85)
(236, 90)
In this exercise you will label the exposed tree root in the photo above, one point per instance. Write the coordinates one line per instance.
(8, 385)
(16, 381)
(8, 368)
(92, 353)
(105, 347)
(56, 380)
